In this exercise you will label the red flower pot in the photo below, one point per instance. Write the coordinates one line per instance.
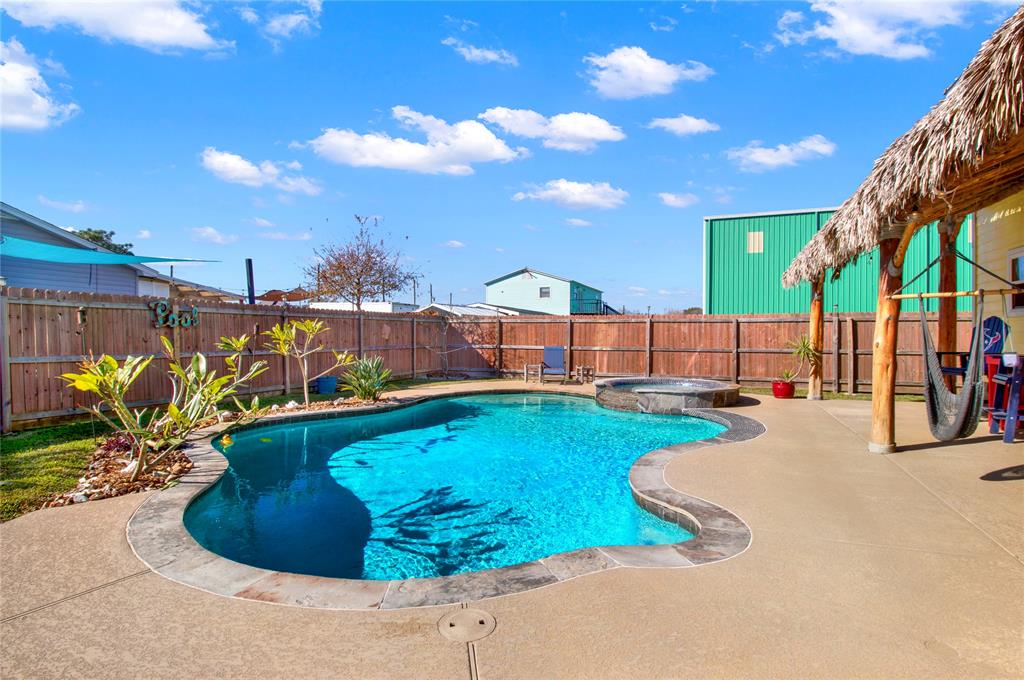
(782, 389)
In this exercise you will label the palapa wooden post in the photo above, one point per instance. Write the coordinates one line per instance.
(892, 247)
(816, 336)
(946, 341)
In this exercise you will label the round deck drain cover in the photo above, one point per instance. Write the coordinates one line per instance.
(466, 625)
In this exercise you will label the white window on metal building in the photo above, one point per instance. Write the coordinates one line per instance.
(755, 242)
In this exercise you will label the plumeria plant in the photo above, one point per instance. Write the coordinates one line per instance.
(285, 340)
(197, 391)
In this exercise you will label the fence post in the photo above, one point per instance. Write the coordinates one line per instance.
(5, 365)
(414, 348)
(176, 330)
(284, 359)
(499, 364)
(835, 353)
(649, 343)
(736, 351)
(568, 346)
(359, 336)
(851, 355)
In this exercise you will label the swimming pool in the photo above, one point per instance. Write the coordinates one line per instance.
(445, 487)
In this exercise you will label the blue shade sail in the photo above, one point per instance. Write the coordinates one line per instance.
(34, 250)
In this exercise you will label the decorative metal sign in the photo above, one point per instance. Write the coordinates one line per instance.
(165, 316)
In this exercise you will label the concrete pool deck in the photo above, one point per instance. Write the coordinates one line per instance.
(867, 566)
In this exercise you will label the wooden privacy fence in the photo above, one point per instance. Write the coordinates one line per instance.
(45, 335)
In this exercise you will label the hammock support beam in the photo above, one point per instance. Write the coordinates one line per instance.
(957, 294)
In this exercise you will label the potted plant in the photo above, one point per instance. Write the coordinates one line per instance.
(783, 387)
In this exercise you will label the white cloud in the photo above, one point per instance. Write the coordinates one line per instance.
(233, 168)
(499, 249)
(668, 26)
(284, 236)
(66, 206)
(678, 200)
(637, 291)
(144, 234)
(248, 15)
(286, 25)
(260, 222)
(211, 235)
(481, 55)
(26, 102)
(897, 30)
(454, 244)
(576, 194)
(461, 24)
(755, 157)
(449, 149)
(629, 72)
(683, 125)
(565, 131)
(155, 25)
(283, 25)
(577, 222)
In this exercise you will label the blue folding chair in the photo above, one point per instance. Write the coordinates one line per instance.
(554, 363)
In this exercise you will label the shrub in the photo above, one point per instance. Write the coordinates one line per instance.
(284, 340)
(367, 378)
(153, 433)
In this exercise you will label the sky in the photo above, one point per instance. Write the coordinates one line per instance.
(584, 140)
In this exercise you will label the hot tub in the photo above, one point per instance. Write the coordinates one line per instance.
(664, 395)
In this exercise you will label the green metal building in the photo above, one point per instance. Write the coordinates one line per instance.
(745, 256)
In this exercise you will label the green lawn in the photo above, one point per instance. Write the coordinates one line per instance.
(36, 464)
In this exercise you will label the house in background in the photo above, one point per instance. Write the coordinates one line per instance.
(745, 255)
(114, 279)
(529, 291)
(386, 306)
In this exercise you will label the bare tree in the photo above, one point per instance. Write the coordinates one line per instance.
(362, 269)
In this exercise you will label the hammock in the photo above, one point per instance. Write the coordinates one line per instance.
(953, 416)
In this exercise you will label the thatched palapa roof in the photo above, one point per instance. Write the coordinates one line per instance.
(964, 154)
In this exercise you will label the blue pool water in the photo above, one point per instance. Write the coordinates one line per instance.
(440, 488)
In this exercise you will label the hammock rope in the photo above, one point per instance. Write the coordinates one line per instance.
(953, 415)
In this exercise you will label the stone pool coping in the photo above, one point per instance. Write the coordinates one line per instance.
(157, 535)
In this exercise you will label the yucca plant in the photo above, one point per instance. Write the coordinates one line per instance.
(285, 341)
(367, 378)
(806, 353)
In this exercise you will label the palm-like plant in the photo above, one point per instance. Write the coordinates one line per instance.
(367, 378)
(806, 353)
